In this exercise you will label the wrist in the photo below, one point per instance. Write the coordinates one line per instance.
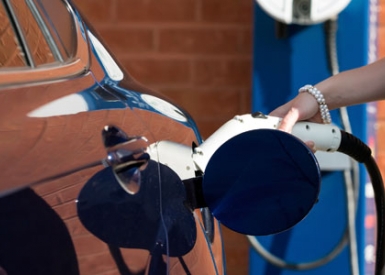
(318, 96)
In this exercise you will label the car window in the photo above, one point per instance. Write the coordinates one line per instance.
(11, 54)
(59, 20)
(36, 33)
(36, 42)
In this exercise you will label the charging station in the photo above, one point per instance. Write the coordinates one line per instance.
(288, 55)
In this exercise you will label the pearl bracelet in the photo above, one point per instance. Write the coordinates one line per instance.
(324, 110)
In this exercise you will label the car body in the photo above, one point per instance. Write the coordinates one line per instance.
(68, 109)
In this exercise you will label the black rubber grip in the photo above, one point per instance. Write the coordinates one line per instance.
(354, 147)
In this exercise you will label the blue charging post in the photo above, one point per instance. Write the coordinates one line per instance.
(280, 67)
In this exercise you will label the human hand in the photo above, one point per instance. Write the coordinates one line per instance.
(302, 107)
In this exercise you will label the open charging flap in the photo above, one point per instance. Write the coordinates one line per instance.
(261, 182)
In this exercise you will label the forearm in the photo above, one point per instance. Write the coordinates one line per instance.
(361, 85)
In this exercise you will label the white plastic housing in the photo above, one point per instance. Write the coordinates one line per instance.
(326, 137)
(184, 161)
(313, 11)
(236, 126)
(176, 156)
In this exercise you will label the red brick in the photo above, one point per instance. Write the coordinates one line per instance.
(69, 194)
(108, 272)
(381, 47)
(75, 227)
(380, 136)
(52, 186)
(88, 244)
(96, 11)
(202, 41)
(208, 126)
(381, 110)
(380, 159)
(246, 40)
(381, 13)
(213, 103)
(67, 210)
(222, 72)
(97, 264)
(123, 40)
(236, 249)
(62, 183)
(111, 272)
(136, 259)
(156, 11)
(227, 11)
(156, 71)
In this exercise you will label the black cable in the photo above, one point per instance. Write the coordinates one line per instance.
(379, 198)
(184, 265)
(355, 148)
(119, 261)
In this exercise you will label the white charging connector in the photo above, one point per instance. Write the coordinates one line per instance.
(185, 160)
(327, 137)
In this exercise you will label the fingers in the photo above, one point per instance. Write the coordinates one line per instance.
(289, 120)
(311, 145)
(302, 107)
(288, 114)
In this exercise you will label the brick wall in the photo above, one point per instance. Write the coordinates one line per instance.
(196, 52)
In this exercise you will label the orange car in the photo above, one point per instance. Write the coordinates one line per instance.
(82, 190)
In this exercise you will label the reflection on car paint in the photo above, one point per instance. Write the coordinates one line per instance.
(109, 64)
(52, 124)
(111, 97)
